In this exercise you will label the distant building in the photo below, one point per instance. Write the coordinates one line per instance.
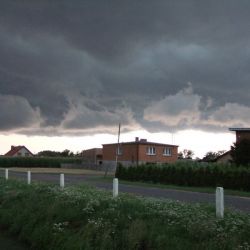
(93, 155)
(18, 151)
(241, 133)
(224, 158)
(139, 152)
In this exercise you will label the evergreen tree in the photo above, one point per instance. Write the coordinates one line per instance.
(240, 152)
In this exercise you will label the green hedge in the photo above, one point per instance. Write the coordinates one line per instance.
(194, 174)
(46, 217)
(34, 162)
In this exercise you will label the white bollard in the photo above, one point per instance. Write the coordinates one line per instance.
(6, 173)
(219, 202)
(28, 177)
(115, 187)
(62, 180)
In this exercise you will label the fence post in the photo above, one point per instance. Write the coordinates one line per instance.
(6, 173)
(115, 187)
(62, 180)
(28, 177)
(219, 202)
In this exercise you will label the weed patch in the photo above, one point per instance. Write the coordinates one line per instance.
(80, 217)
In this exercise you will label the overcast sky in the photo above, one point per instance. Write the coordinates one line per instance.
(81, 67)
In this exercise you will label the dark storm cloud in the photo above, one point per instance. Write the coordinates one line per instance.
(17, 113)
(87, 65)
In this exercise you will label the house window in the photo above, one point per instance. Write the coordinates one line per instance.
(151, 151)
(119, 150)
(167, 151)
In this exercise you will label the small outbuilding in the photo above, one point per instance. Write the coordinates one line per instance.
(224, 158)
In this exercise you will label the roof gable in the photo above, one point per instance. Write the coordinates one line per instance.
(15, 150)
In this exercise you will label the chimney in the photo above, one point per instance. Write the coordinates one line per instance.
(136, 139)
(12, 147)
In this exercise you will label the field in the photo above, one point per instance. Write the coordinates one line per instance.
(80, 217)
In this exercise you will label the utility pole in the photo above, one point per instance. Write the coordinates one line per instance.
(118, 146)
(116, 155)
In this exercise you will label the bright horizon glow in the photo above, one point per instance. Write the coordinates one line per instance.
(198, 141)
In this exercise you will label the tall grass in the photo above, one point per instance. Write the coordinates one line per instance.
(45, 162)
(190, 174)
(81, 217)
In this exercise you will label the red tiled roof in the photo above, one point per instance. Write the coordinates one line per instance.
(14, 150)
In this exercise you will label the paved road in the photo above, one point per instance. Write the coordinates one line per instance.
(238, 203)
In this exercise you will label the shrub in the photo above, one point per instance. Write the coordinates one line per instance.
(240, 152)
(198, 175)
(45, 162)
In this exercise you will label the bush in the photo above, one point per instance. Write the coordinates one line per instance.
(240, 152)
(34, 162)
(191, 174)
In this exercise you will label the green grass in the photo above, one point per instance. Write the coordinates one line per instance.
(8, 243)
(81, 217)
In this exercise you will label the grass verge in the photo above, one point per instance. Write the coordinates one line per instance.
(7, 243)
(80, 217)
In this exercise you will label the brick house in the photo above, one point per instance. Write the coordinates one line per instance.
(93, 155)
(18, 151)
(139, 152)
(241, 133)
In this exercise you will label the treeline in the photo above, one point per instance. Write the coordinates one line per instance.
(44, 162)
(189, 174)
(64, 153)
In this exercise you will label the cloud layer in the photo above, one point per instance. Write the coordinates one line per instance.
(187, 110)
(81, 67)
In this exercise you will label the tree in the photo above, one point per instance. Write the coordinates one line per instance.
(186, 154)
(65, 153)
(212, 156)
(49, 153)
(240, 152)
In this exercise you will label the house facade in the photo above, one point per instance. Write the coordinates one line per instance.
(19, 151)
(139, 152)
(93, 156)
(241, 133)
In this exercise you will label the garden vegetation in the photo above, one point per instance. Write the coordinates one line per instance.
(80, 217)
(189, 174)
(43, 162)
